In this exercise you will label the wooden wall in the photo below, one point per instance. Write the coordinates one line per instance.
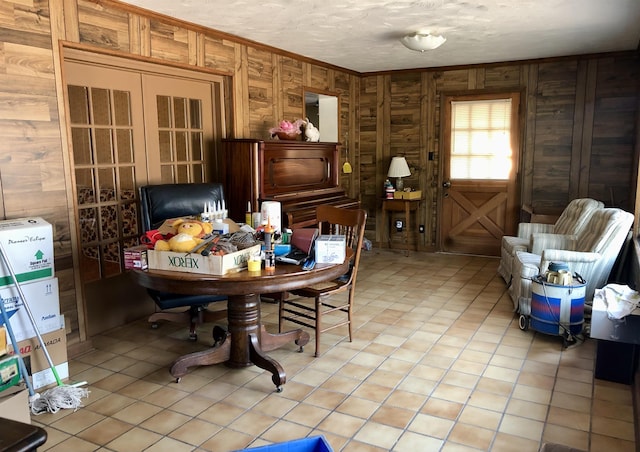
(578, 134)
(578, 139)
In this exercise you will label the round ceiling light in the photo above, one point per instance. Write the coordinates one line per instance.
(422, 41)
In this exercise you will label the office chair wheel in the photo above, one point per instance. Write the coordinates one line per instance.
(193, 337)
(219, 335)
(178, 379)
(523, 322)
(278, 389)
(155, 326)
(301, 349)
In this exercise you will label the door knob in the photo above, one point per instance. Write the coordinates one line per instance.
(446, 184)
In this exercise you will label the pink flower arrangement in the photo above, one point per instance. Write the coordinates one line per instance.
(288, 128)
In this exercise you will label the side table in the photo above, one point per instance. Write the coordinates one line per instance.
(399, 205)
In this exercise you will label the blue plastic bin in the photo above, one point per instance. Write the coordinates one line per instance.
(312, 444)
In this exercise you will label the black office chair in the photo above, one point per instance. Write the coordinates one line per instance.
(157, 204)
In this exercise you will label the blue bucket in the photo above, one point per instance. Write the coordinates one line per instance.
(557, 309)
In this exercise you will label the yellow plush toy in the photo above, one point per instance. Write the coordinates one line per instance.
(188, 234)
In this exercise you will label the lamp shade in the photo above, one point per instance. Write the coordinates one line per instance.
(421, 42)
(399, 168)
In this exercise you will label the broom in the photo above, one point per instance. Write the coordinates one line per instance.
(61, 396)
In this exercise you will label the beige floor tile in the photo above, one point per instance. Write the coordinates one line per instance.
(74, 444)
(432, 426)
(104, 431)
(480, 417)
(393, 416)
(613, 427)
(195, 432)
(607, 443)
(341, 424)
(137, 412)
(379, 435)
(307, 414)
(136, 439)
(412, 442)
(77, 421)
(165, 422)
(523, 427)
(359, 407)
(577, 439)
(471, 436)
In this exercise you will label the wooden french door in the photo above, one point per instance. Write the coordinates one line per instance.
(128, 128)
(479, 172)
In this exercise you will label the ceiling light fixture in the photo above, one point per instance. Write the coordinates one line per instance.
(422, 41)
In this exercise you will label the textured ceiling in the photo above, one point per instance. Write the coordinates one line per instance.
(363, 35)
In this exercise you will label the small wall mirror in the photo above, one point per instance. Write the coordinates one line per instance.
(322, 111)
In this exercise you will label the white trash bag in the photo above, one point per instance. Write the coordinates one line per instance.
(620, 300)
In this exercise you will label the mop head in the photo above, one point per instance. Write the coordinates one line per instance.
(60, 397)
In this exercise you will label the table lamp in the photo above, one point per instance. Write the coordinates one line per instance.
(399, 169)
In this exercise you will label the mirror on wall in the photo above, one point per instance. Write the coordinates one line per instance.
(322, 111)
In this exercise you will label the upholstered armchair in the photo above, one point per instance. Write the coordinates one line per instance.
(591, 254)
(572, 221)
(157, 204)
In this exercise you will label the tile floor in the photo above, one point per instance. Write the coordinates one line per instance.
(438, 363)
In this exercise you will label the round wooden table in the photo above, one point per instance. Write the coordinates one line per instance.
(247, 340)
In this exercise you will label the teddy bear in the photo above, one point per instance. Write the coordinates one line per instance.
(188, 234)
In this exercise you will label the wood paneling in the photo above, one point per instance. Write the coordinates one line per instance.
(578, 130)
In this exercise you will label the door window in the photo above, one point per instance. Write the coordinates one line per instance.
(480, 139)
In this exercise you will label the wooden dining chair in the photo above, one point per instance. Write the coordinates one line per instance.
(298, 307)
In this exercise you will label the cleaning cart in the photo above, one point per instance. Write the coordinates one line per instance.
(556, 307)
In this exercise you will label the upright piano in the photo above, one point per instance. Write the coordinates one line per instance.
(300, 175)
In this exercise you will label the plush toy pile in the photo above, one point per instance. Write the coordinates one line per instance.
(187, 235)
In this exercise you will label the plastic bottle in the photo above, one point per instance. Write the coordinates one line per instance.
(269, 256)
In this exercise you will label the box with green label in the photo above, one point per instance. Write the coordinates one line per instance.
(28, 243)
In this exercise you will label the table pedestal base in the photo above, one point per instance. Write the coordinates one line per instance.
(245, 343)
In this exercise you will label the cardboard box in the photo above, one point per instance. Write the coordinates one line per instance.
(416, 194)
(196, 263)
(14, 404)
(330, 249)
(44, 303)
(28, 243)
(136, 257)
(36, 361)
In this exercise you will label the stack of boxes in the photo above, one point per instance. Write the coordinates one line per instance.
(28, 243)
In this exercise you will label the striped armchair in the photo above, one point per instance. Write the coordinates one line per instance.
(572, 221)
(591, 254)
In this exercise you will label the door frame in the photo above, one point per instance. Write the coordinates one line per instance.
(444, 128)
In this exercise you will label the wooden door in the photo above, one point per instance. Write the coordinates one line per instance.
(479, 173)
(129, 128)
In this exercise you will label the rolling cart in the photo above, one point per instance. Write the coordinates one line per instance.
(554, 309)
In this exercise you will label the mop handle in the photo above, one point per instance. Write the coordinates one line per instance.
(16, 350)
(26, 306)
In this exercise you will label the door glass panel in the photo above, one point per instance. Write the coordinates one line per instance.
(182, 174)
(480, 139)
(166, 174)
(198, 173)
(124, 143)
(101, 106)
(106, 177)
(196, 146)
(104, 149)
(82, 149)
(195, 113)
(180, 112)
(121, 106)
(78, 104)
(165, 146)
(181, 147)
(164, 111)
